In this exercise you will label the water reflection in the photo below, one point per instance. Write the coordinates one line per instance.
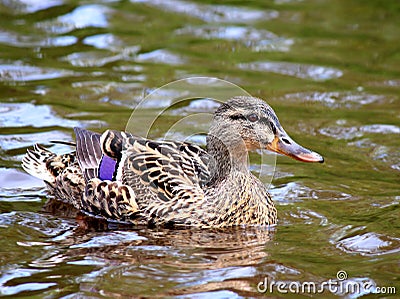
(191, 259)
(201, 261)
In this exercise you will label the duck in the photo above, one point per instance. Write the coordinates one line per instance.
(125, 178)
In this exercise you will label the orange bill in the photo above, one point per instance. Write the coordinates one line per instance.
(284, 145)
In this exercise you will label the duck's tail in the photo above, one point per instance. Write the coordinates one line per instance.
(61, 173)
(46, 165)
(35, 163)
(65, 176)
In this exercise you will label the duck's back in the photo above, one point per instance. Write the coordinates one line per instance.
(162, 173)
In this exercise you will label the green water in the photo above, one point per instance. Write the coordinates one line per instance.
(330, 69)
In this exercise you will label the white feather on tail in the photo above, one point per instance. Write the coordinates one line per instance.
(34, 163)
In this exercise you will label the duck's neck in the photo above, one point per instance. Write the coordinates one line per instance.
(229, 156)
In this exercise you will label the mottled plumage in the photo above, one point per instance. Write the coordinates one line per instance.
(123, 177)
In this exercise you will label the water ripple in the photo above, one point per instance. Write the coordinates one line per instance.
(16, 185)
(336, 99)
(31, 6)
(256, 39)
(95, 58)
(369, 244)
(114, 238)
(19, 40)
(214, 13)
(309, 217)
(84, 16)
(303, 71)
(340, 132)
(16, 141)
(27, 114)
(160, 56)
(90, 59)
(105, 41)
(222, 274)
(395, 83)
(18, 72)
(21, 287)
(293, 192)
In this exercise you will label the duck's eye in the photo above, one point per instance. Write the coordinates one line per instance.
(252, 117)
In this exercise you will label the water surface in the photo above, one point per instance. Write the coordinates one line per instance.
(330, 69)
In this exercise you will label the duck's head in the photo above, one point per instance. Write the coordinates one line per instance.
(252, 122)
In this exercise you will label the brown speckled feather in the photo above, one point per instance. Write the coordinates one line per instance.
(65, 181)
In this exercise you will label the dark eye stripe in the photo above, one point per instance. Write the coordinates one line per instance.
(237, 117)
(253, 118)
(271, 124)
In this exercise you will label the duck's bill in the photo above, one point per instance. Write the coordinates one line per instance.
(286, 146)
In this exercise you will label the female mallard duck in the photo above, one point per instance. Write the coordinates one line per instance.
(123, 177)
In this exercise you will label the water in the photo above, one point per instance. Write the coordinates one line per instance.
(331, 71)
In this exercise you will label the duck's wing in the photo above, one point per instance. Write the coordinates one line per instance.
(173, 172)
(161, 180)
(91, 158)
(88, 152)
